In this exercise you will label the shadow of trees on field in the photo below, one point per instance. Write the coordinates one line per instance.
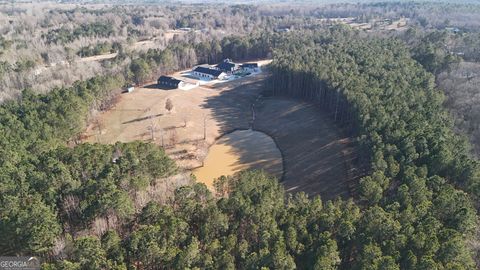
(142, 119)
(312, 148)
(232, 107)
(159, 87)
(256, 149)
(311, 145)
(152, 86)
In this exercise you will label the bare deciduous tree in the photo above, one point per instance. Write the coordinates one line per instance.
(152, 127)
(168, 105)
(173, 137)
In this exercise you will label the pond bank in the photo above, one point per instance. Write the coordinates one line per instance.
(237, 151)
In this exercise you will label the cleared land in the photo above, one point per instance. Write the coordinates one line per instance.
(314, 153)
(98, 57)
(316, 157)
(240, 150)
(141, 115)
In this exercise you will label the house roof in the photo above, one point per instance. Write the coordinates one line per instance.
(226, 65)
(209, 71)
(249, 65)
(169, 80)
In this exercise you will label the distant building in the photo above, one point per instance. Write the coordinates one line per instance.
(283, 30)
(227, 66)
(250, 67)
(208, 73)
(130, 89)
(169, 82)
(452, 29)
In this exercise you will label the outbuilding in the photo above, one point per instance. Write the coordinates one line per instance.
(250, 67)
(169, 82)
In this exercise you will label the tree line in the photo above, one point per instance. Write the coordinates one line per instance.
(52, 193)
(49, 190)
(64, 35)
(184, 55)
(422, 175)
(99, 49)
(416, 208)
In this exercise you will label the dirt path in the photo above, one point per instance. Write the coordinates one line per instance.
(98, 57)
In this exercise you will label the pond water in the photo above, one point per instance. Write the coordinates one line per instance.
(237, 151)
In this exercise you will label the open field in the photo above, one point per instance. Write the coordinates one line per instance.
(316, 156)
(182, 130)
(313, 151)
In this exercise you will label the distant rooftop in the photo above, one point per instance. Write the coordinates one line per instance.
(226, 65)
(168, 80)
(249, 65)
(209, 71)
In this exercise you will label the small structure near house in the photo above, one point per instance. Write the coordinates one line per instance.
(208, 73)
(250, 67)
(129, 88)
(169, 82)
(227, 66)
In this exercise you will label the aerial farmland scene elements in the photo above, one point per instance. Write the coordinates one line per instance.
(212, 134)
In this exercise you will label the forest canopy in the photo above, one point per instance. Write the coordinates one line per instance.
(373, 88)
(416, 208)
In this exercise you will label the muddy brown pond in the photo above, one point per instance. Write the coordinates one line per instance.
(237, 151)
